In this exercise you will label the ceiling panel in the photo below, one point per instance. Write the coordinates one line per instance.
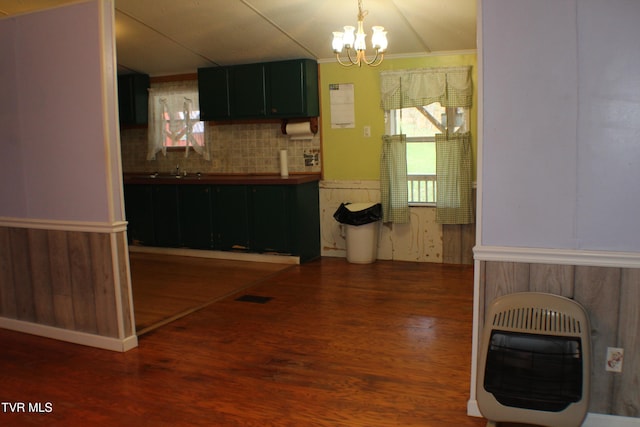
(141, 49)
(163, 37)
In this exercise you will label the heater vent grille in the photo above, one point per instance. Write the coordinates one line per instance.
(539, 320)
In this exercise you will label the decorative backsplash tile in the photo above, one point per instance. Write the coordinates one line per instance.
(233, 148)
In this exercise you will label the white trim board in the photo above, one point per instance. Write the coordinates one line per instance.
(226, 255)
(76, 337)
(52, 224)
(557, 256)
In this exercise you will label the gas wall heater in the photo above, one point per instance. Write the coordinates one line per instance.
(534, 364)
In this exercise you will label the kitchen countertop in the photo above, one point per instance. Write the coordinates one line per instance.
(233, 179)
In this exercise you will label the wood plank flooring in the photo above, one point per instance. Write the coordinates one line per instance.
(383, 344)
(166, 288)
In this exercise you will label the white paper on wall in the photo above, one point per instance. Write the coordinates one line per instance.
(341, 97)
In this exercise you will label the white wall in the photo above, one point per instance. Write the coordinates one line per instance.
(59, 139)
(561, 124)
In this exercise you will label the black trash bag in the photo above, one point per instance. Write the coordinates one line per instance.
(365, 216)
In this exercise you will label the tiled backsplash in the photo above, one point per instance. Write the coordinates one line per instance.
(233, 148)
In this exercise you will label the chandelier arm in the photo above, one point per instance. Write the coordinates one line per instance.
(353, 62)
(343, 63)
(379, 57)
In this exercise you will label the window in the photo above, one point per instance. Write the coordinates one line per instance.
(175, 128)
(174, 119)
(421, 125)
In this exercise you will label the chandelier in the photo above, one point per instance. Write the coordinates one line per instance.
(354, 43)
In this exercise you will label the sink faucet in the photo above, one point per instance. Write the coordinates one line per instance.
(177, 170)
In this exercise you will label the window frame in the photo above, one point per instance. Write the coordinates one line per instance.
(443, 125)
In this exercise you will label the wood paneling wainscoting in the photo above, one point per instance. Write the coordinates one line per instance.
(70, 282)
(611, 296)
(458, 241)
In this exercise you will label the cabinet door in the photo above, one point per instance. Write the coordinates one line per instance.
(247, 91)
(194, 204)
(138, 204)
(292, 88)
(270, 218)
(165, 215)
(230, 213)
(133, 99)
(305, 225)
(213, 93)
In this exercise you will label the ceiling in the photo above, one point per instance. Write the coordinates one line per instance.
(167, 37)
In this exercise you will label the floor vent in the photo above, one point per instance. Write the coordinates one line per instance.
(254, 298)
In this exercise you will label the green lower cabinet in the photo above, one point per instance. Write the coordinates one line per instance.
(305, 225)
(231, 217)
(195, 213)
(270, 218)
(283, 219)
(166, 224)
(138, 201)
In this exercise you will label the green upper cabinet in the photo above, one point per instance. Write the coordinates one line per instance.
(282, 89)
(133, 99)
(213, 85)
(292, 88)
(247, 91)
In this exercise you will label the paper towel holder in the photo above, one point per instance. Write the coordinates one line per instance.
(313, 124)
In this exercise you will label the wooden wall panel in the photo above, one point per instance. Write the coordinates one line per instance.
(67, 279)
(504, 278)
(103, 282)
(468, 242)
(25, 307)
(38, 242)
(457, 243)
(61, 290)
(626, 397)
(84, 309)
(552, 278)
(128, 322)
(611, 297)
(451, 244)
(598, 290)
(7, 290)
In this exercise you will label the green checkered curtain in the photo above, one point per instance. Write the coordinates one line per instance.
(394, 193)
(450, 86)
(454, 200)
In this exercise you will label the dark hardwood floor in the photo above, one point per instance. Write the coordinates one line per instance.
(383, 344)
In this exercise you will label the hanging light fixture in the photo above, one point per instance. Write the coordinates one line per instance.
(354, 43)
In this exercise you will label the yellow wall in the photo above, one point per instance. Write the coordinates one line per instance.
(346, 153)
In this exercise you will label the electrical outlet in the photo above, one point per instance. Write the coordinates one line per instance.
(367, 131)
(615, 356)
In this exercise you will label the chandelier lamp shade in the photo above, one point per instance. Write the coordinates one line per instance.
(354, 43)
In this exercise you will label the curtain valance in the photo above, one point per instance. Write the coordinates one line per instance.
(450, 86)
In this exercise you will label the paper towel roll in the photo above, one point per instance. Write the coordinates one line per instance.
(284, 168)
(299, 130)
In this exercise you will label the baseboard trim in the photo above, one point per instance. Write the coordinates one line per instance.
(592, 420)
(557, 256)
(231, 256)
(75, 337)
(50, 224)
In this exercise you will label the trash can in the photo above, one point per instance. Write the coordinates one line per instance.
(362, 223)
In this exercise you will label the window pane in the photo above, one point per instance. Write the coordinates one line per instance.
(421, 158)
(419, 121)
